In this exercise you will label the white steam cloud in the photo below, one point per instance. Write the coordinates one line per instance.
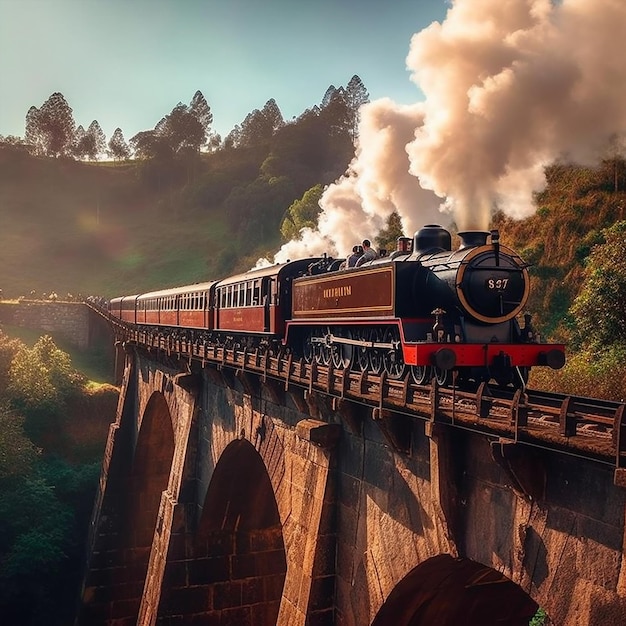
(510, 86)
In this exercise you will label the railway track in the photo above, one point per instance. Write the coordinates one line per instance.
(592, 428)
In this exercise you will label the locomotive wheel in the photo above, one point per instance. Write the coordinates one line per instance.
(308, 348)
(444, 377)
(392, 358)
(362, 353)
(341, 352)
(316, 348)
(375, 354)
(421, 374)
(325, 349)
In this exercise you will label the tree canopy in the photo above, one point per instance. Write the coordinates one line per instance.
(599, 310)
(50, 129)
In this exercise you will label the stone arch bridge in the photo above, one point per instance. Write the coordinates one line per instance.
(248, 490)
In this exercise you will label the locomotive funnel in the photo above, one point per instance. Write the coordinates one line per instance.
(473, 238)
(432, 238)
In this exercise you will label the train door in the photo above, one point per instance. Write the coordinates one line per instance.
(268, 286)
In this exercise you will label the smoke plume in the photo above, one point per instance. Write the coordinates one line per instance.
(509, 87)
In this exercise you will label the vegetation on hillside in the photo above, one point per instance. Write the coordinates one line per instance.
(49, 467)
(575, 243)
(187, 208)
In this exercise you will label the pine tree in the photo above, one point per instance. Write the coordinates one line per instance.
(328, 96)
(200, 109)
(79, 145)
(118, 148)
(356, 97)
(34, 135)
(97, 142)
(259, 126)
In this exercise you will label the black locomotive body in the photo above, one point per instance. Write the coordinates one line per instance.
(452, 314)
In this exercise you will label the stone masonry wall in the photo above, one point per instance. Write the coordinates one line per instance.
(69, 320)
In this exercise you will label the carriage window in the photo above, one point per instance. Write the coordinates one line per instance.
(249, 293)
(256, 293)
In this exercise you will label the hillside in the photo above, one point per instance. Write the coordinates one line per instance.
(84, 228)
(576, 205)
(73, 227)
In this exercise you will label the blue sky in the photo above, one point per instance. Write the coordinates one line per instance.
(127, 63)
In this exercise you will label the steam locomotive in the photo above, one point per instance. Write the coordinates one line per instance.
(425, 309)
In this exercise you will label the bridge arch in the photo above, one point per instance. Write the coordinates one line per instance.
(141, 496)
(236, 564)
(450, 591)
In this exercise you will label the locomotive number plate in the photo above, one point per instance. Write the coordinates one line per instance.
(496, 284)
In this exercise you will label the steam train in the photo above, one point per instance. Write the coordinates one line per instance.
(425, 309)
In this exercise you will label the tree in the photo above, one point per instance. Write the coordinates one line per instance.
(182, 130)
(260, 126)
(302, 213)
(34, 136)
(118, 148)
(17, 452)
(387, 238)
(51, 128)
(200, 109)
(79, 145)
(356, 97)
(328, 96)
(599, 311)
(97, 143)
(41, 377)
(149, 144)
(337, 115)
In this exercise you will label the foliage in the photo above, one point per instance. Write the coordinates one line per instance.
(599, 310)
(46, 502)
(596, 373)
(89, 144)
(43, 522)
(388, 237)
(50, 129)
(8, 349)
(539, 619)
(259, 126)
(41, 377)
(17, 452)
(356, 96)
(302, 213)
(118, 148)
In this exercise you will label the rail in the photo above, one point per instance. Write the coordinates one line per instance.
(591, 428)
